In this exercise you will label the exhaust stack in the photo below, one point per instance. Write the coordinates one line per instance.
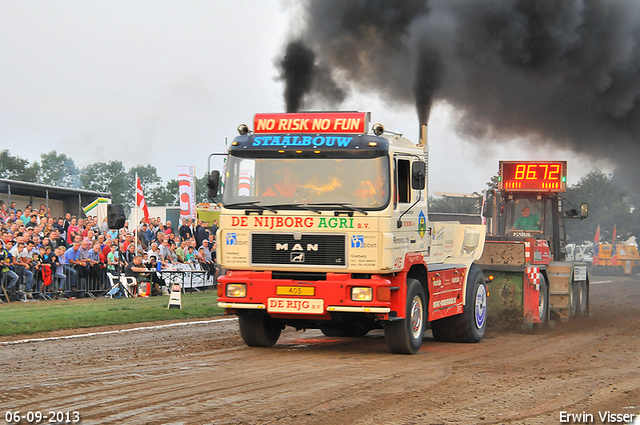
(423, 136)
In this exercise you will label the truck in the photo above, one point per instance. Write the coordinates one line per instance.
(324, 225)
(579, 253)
(528, 277)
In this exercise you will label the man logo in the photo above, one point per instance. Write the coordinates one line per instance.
(297, 257)
(232, 239)
(357, 241)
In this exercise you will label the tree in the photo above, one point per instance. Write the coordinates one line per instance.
(106, 177)
(456, 204)
(493, 183)
(151, 185)
(166, 195)
(58, 170)
(16, 168)
(607, 207)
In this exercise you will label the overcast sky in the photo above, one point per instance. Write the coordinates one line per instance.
(165, 82)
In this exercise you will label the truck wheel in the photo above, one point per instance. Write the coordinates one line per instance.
(259, 330)
(405, 336)
(543, 303)
(470, 325)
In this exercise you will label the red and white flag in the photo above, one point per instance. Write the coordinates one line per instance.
(140, 200)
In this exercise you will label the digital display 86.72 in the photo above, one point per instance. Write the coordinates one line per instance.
(533, 176)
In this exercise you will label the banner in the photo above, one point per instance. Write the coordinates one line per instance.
(97, 208)
(187, 187)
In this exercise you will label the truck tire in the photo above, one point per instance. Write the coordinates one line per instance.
(259, 330)
(470, 325)
(543, 303)
(405, 336)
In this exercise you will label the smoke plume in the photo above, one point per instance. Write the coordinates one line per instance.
(302, 76)
(559, 72)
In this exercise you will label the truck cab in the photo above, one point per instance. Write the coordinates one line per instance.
(324, 224)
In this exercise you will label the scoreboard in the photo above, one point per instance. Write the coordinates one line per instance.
(533, 176)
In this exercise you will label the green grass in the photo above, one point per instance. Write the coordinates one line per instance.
(28, 318)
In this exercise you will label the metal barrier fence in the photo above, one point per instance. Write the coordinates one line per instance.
(78, 282)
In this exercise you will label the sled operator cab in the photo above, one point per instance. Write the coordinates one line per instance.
(528, 205)
(524, 257)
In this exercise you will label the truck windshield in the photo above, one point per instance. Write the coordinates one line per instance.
(359, 182)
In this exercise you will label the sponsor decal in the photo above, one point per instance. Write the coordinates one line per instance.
(422, 224)
(272, 222)
(311, 141)
(232, 239)
(397, 240)
(336, 223)
(342, 122)
(357, 241)
(444, 303)
(295, 305)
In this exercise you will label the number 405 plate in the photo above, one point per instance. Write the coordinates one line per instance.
(296, 290)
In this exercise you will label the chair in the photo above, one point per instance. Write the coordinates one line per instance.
(127, 282)
(114, 281)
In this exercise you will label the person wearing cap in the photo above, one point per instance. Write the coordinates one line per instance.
(528, 221)
(113, 259)
(156, 279)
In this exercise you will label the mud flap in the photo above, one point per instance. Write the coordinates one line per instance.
(531, 295)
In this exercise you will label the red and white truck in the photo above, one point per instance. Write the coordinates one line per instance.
(324, 225)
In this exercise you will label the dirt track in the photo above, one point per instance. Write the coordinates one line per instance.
(202, 373)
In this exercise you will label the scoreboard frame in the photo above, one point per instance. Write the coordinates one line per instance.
(533, 176)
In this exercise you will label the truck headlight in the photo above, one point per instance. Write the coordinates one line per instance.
(236, 290)
(361, 293)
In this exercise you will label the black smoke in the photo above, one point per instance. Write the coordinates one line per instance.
(303, 77)
(297, 72)
(562, 73)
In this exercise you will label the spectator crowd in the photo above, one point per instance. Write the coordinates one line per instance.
(45, 256)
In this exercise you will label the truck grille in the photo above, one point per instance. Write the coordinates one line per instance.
(311, 249)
